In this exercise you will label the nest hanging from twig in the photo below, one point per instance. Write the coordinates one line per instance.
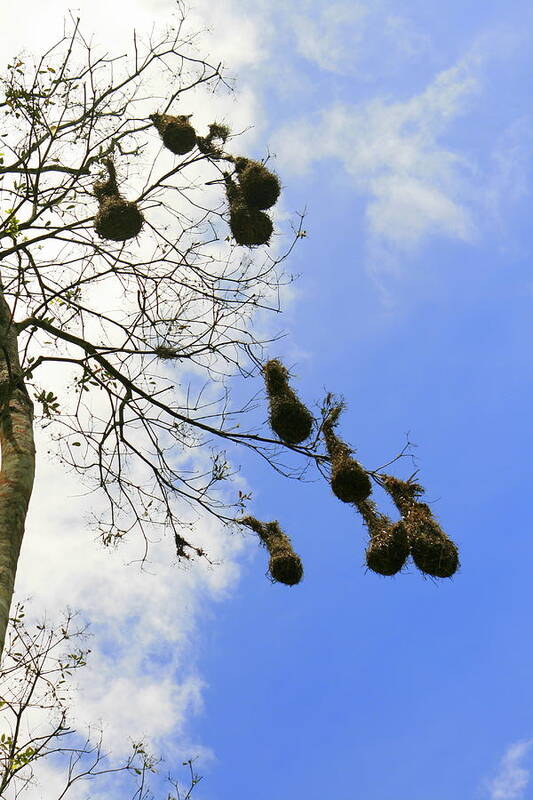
(388, 548)
(288, 416)
(212, 144)
(284, 565)
(177, 133)
(349, 481)
(250, 227)
(433, 551)
(260, 187)
(117, 219)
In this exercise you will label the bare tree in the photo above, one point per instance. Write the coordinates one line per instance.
(40, 663)
(131, 268)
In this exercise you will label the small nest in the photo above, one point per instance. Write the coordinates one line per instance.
(177, 133)
(211, 145)
(284, 565)
(288, 417)
(165, 352)
(388, 550)
(349, 481)
(118, 219)
(260, 187)
(286, 568)
(433, 552)
(249, 227)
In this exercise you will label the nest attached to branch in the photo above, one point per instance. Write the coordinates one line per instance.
(349, 481)
(284, 565)
(433, 551)
(260, 187)
(288, 416)
(249, 226)
(177, 133)
(117, 219)
(388, 548)
(212, 144)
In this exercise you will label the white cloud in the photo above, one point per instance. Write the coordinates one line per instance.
(142, 680)
(512, 777)
(353, 37)
(394, 155)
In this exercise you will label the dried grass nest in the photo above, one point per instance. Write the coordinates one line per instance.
(433, 552)
(288, 416)
(388, 548)
(349, 480)
(177, 133)
(260, 187)
(117, 219)
(284, 565)
(249, 227)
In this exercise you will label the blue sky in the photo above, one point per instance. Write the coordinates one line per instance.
(406, 131)
(352, 685)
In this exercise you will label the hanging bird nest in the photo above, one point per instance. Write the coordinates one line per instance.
(388, 551)
(349, 481)
(433, 551)
(284, 565)
(249, 227)
(117, 219)
(260, 187)
(212, 144)
(177, 133)
(388, 548)
(288, 416)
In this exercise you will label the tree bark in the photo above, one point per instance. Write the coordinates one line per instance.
(18, 460)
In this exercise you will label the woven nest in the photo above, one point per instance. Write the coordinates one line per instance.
(388, 550)
(177, 133)
(433, 552)
(118, 219)
(249, 227)
(260, 187)
(349, 481)
(211, 145)
(284, 565)
(286, 568)
(288, 417)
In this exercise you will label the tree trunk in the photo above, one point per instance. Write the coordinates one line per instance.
(18, 460)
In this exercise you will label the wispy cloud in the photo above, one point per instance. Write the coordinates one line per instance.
(346, 37)
(512, 777)
(395, 155)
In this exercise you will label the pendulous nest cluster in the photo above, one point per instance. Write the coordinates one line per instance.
(177, 133)
(432, 550)
(284, 565)
(255, 190)
(288, 416)
(117, 219)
